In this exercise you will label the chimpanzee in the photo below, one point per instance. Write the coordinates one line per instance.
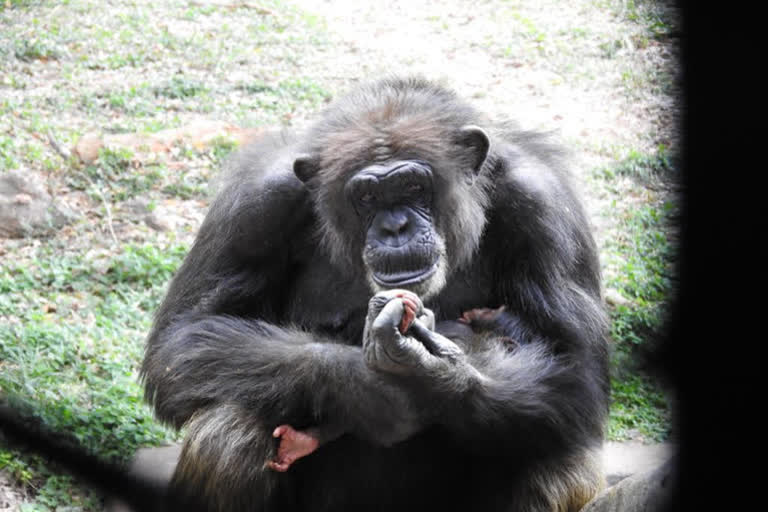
(312, 300)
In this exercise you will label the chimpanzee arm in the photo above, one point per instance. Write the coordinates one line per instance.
(282, 375)
(207, 349)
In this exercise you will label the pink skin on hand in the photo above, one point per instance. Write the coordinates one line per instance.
(294, 444)
(410, 307)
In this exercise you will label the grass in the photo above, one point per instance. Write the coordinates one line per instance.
(117, 171)
(638, 407)
(71, 349)
(33, 49)
(643, 167)
(180, 88)
(643, 275)
(7, 158)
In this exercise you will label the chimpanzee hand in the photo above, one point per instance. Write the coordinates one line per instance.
(396, 318)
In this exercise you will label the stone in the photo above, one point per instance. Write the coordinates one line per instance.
(614, 298)
(87, 148)
(11, 496)
(156, 222)
(651, 491)
(623, 459)
(156, 464)
(26, 209)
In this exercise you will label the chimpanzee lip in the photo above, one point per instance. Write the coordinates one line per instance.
(399, 279)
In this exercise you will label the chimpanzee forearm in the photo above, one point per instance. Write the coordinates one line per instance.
(519, 397)
(525, 402)
(281, 375)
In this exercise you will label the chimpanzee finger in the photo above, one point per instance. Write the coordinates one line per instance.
(436, 344)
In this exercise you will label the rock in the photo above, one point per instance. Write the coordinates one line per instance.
(651, 491)
(136, 207)
(26, 209)
(87, 148)
(155, 464)
(11, 496)
(156, 222)
(614, 298)
(621, 460)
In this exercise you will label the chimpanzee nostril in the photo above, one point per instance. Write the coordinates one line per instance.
(393, 227)
(394, 223)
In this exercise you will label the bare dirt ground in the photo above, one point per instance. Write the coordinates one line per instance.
(10, 496)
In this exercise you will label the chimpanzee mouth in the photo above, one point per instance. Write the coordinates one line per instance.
(400, 279)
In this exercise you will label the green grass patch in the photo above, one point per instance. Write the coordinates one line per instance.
(8, 160)
(118, 175)
(188, 185)
(184, 190)
(304, 90)
(652, 15)
(35, 49)
(645, 278)
(73, 314)
(284, 95)
(116, 172)
(180, 88)
(645, 168)
(136, 101)
(639, 407)
(221, 148)
(71, 348)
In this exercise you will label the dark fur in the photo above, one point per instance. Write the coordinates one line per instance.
(262, 325)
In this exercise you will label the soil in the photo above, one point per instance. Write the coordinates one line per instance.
(10, 495)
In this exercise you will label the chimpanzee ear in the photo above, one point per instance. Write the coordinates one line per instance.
(305, 167)
(477, 143)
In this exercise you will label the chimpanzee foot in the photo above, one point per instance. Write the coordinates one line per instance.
(294, 444)
(481, 315)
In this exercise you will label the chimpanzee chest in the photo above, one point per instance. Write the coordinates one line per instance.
(323, 299)
(468, 289)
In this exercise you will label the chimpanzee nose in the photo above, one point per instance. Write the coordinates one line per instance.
(394, 228)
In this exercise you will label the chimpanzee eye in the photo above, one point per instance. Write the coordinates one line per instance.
(415, 188)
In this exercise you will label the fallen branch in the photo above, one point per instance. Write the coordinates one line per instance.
(58, 148)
